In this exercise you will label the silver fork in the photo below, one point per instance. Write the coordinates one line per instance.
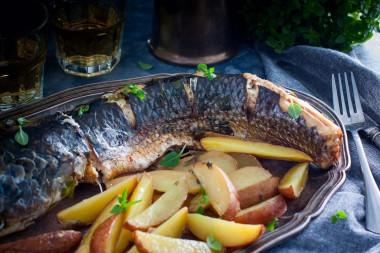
(353, 119)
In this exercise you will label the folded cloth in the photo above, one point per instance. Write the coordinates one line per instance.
(312, 67)
(309, 69)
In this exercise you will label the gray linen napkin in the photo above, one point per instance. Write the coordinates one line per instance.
(309, 69)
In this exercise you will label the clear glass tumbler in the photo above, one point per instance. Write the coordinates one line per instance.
(23, 45)
(88, 35)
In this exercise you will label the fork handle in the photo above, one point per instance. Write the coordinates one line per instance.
(371, 189)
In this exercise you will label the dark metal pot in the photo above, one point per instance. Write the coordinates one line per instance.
(188, 32)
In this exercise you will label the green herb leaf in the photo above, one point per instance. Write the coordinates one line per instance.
(270, 226)
(294, 110)
(204, 198)
(200, 210)
(68, 190)
(338, 215)
(116, 209)
(123, 203)
(22, 121)
(82, 110)
(172, 159)
(21, 137)
(145, 66)
(202, 67)
(209, 73)
(211, 76)
(214, 243)
(130, 88)
(140, 94)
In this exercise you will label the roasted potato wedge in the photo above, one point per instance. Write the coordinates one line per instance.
(219, 188)
(229, 233)
(104, 238)
(294, 181)
(161, 210)
(257, 148)
(224, 161)
(253, 185)
(146, 242)
(264, 212)
(59, 241)
(86, 211)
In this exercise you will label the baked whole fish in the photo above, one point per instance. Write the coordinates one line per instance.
(122, 133)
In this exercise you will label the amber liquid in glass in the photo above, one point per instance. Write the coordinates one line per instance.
(88, 39)
(21, 73)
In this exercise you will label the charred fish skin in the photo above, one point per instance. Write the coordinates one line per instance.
(107, 131)
(32, 177)
(311, 133)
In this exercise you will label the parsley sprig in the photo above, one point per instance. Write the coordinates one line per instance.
(22, 137)
(209, 73)
(83, 110)
(294, 110)
(130, 88)
(214, 243)
(338, 215)
(270, 226)
(123, 203)
(172, 159)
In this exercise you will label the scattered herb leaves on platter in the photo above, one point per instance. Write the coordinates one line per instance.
(145, 66)
(209, 73)
(294, 110)
(123, 203)
(83, 110)
(338, 215)
(200, 210)
(270, 226)
(172, 159)
(130, 88)
(69, 188)
(214, 243)
(22, 137)
(332, 24)
(204, 198)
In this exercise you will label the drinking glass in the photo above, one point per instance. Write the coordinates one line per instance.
(23, 45)
(88, 35)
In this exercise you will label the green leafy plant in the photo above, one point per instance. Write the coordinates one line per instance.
(145, 66)
(214, 243)
(83, 110)
(337, 24)
(338, 215)
(123, 203)
(130, 88)
(172, 159)
(270, 226)
(209, 73)
(22, 137)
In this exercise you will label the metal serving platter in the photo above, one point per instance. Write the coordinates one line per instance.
(321, 185)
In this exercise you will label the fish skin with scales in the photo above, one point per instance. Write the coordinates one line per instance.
(122, 133)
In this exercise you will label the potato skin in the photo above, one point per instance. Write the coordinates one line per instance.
(264, 214)
(259, 192)
(59, 242)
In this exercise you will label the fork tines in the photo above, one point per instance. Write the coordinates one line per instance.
(354, 113)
